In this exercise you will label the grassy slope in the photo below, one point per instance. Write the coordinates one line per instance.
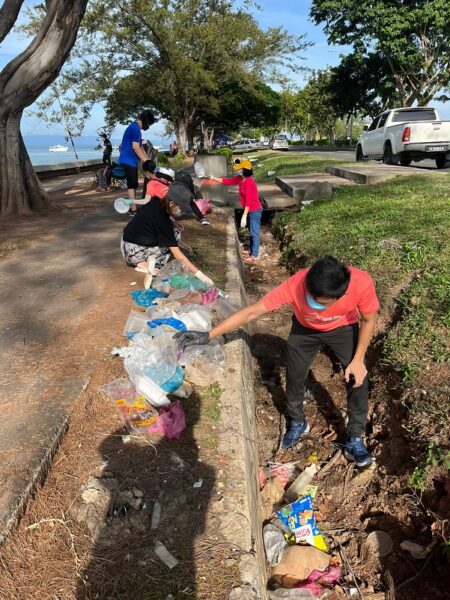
(288, 164)
(399, 232)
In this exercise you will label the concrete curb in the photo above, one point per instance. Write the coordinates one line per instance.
(240, 515)
(41, 463)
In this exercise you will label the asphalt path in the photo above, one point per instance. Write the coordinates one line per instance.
(350, 156)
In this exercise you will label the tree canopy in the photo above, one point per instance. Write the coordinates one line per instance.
(186, 53)
(412, 37)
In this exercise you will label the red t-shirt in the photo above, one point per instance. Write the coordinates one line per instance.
(248, 192)
(156, 188)
(359, 299)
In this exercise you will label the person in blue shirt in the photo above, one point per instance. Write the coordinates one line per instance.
(131, 151)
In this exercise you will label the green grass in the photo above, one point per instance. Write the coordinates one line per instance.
(399, 232)
(211, 402)
(288, 164)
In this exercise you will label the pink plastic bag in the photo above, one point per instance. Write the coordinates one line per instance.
(204, 205)
(317, 579)
(171, 421)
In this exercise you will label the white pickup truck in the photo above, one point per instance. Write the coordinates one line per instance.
(403, 135)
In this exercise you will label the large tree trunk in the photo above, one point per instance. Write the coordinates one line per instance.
(21, 82)
(20, 188)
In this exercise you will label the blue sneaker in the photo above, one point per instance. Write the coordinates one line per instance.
(356, 451)
(294, 432)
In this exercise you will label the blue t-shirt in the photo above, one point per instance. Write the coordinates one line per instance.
(127, 155)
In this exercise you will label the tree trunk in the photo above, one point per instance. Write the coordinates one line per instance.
(21, 82)
(20, 189)
(181, 129)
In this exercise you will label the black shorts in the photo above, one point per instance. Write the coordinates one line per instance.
(131, 175)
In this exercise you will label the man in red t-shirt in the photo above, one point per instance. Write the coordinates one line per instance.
(335, 306)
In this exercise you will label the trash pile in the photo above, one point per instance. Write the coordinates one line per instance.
(297, 554)
(159, 374)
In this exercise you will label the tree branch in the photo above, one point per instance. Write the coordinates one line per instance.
(8, 15)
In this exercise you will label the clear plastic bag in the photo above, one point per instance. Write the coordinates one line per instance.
(174, 266)
(137, 414)
(137, 321)
(213, 350)
(195, 317)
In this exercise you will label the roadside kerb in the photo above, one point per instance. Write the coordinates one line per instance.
(240, 514)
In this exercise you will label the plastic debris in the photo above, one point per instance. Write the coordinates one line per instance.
(297, 489)
(136, 322)
(198, 484)
(156, 515)
(136, 413)
(171, 421)
(317, 580)
(274, 543)
(299, 517)
(146, 297)
(161, 551)
(297, 563)
(174, 323)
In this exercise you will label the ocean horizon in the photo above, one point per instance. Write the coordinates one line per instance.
(38, 148)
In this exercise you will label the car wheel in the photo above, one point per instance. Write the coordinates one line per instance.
(388, 157)
(406, 162)
(441, 162)
(359, 155)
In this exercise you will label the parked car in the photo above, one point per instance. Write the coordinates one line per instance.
(402, 135)
(279, 142)
(245, 144)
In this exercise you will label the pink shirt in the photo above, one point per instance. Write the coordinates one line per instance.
(248, 192)
(359, 299)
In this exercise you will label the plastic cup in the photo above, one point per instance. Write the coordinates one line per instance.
(121, 206)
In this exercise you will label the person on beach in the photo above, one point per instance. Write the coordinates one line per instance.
(107, 151)
(131, 152)
(249, 199)
(150, 240)
(336, 306)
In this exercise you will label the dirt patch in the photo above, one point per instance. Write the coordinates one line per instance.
(88, 532)
(350, 503)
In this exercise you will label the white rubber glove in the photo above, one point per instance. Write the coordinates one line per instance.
(243, 221)
(204, 278)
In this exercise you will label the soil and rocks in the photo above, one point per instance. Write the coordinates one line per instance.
(350, 502)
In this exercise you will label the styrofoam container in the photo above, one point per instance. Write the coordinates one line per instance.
(121, 206)
(151, 391)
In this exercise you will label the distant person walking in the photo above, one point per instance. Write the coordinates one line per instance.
(249, 199)
(131, 152)
(107, 151)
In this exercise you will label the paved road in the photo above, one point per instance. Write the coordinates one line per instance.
(350, 156)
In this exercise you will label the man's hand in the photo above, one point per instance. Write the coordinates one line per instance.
(185, 339)
(358, 370)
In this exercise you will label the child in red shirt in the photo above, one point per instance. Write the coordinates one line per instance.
(249, 198)
(335, 306)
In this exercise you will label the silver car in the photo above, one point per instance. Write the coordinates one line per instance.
(279, 142)
(246, 144)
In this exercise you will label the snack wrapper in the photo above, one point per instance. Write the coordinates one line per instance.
(299, 518)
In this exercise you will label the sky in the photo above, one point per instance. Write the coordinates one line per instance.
(290, 14)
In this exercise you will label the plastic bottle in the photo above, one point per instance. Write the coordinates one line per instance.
(297, 489)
